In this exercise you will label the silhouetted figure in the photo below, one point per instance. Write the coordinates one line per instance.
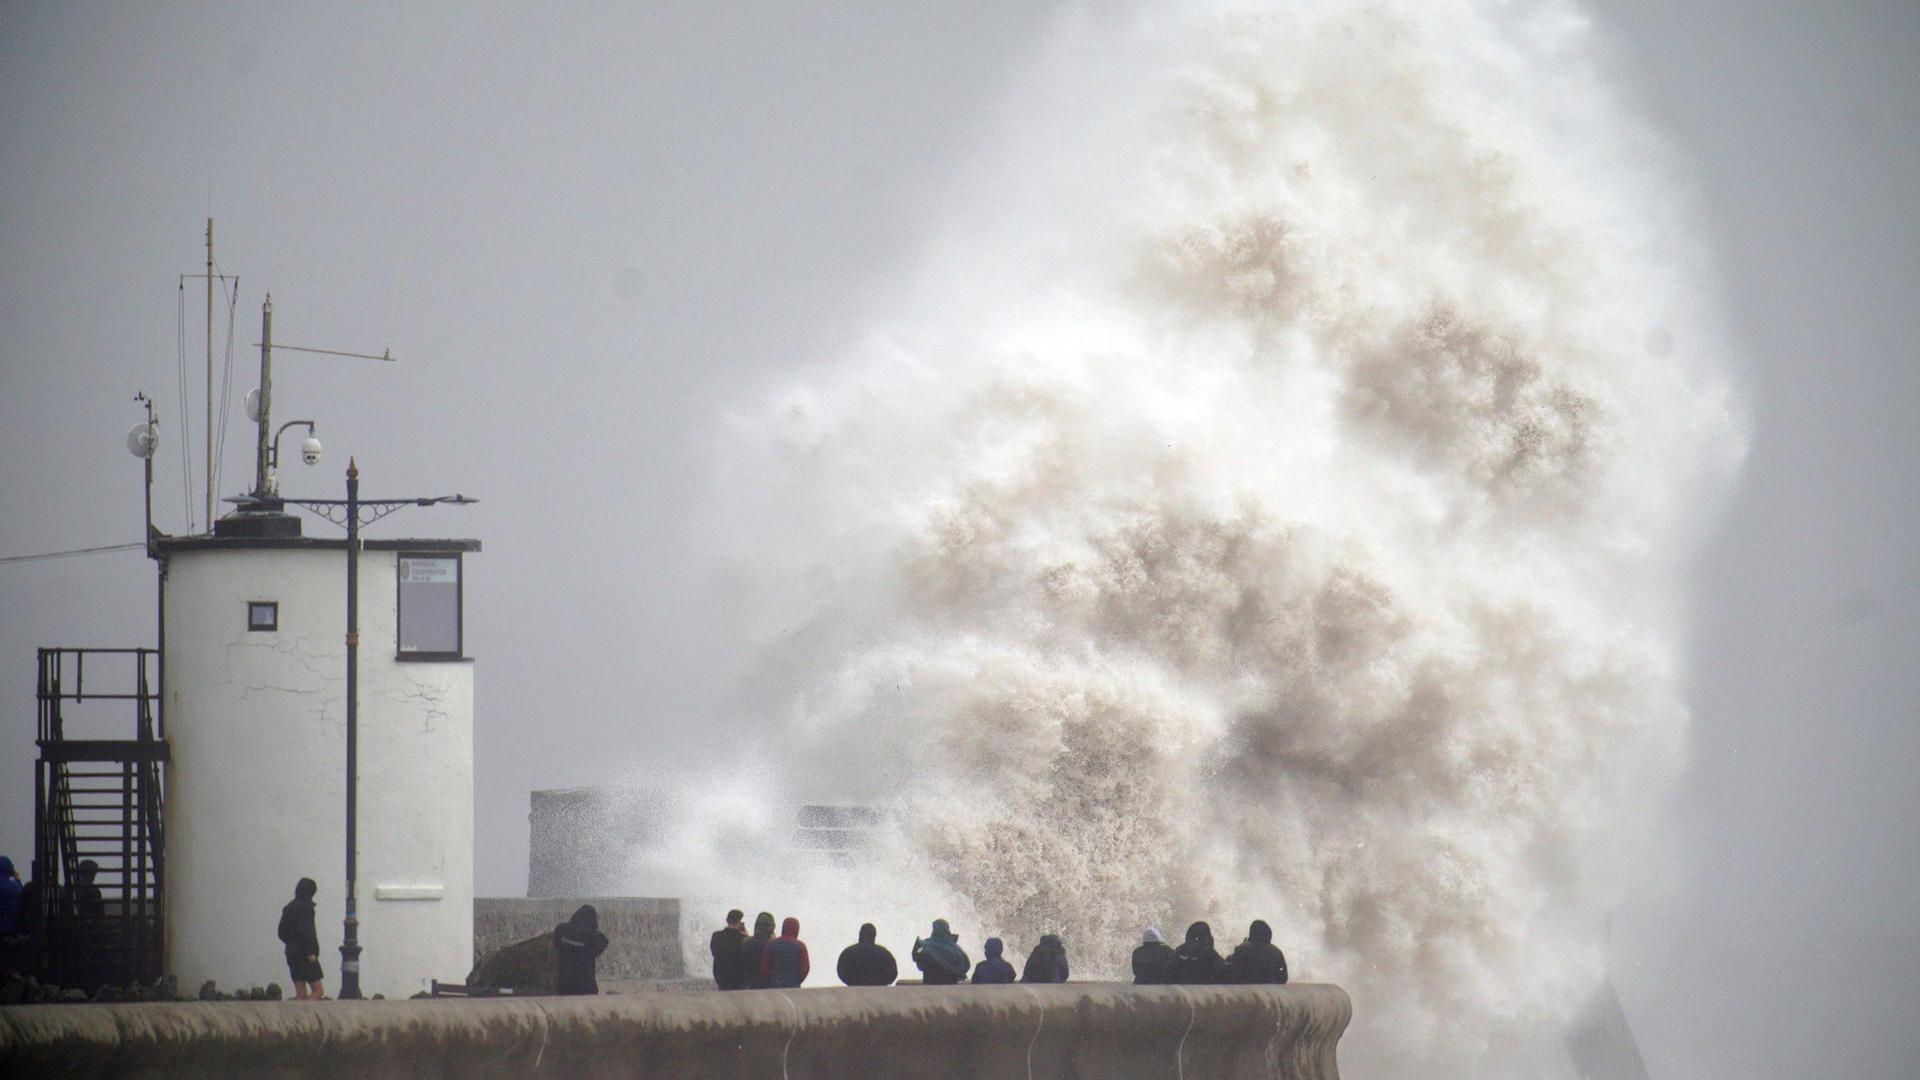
(753, 953)
(729, 960)
(86, 895)
(1196, 962)
(576, 944)
(786, 964)
(1047, 963)
(941, 960)
(1152, 959)
(993, 969)
(10, 889)
(302, 943)
(867, 963)
(1257, 960)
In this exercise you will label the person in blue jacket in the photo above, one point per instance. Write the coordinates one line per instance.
(10, 888)
(993, 969)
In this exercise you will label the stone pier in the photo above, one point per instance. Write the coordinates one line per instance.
(1091, 1030)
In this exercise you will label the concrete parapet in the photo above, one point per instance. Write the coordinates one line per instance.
(938, 1033)
(643, 933)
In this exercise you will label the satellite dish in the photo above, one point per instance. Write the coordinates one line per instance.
(143, 440)
(253, 404)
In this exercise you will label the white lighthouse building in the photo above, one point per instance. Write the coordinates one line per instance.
(307, 712)
(254, 692)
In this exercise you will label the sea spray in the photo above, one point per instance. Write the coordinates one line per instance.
(1269, 501)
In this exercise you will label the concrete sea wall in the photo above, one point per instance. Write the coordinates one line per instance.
(1090, 1031)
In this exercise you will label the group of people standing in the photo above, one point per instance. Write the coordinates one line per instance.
(1254, 962)
(761, 961)
(758, 961)
(942, 962)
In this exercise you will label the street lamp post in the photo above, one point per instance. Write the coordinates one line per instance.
(348, 512)
(350, 943)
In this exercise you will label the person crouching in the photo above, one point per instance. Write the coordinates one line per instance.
(576, 944)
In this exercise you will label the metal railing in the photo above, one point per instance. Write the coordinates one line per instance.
(98, 800)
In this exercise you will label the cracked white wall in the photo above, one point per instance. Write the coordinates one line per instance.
(255, 795)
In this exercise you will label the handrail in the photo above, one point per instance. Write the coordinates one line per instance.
(63, 838)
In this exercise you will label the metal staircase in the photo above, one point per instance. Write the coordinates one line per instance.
(98, 857)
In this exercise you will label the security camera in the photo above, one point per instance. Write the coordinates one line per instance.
(310, 451)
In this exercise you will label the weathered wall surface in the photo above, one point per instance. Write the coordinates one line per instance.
(938, 1033)
(643, 933)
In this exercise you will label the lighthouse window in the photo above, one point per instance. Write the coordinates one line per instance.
(263, 615)
(429, 615)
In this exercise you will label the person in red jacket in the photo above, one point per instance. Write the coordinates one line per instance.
(784, 965)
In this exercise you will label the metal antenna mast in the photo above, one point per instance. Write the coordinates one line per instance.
(266, 454)
(209, 473)
(265, 403)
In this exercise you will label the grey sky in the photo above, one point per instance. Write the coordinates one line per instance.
(587, 235)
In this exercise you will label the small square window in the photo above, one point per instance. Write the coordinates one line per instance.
(263, 615)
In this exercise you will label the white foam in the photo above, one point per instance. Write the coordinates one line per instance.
(1269, 501)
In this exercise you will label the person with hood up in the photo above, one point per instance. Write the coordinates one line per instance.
(576, 944)
(10, 889)
(302, 943)
(941, 960)
(1196, 963)
(867, 963)
(753, 952)
(1047, 963)
(993, 969)
(784, 963)
(1257, 960)
(729, 964)
(1152, 959)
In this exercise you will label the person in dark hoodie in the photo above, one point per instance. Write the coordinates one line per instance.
(1152, 959)
(867, 963)
(753, 952)
(576, 944)
(1195, 962)
(302, 943)
(87, 900)
(941, 960)
(784, 964)
(1047, 963)
(1257, 960)
(993, 969)
(729, 964)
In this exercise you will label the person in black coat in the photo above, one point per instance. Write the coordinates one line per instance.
(87, 900)
(1047, 963)
(729, 962)
(302, 943)
(1257, 960)
(576, 944)
(1195, 963)
(753, 951)
(1152, 959)
(867, 963)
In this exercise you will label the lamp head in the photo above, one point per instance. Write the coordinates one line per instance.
(310, 450)
(143, 440)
